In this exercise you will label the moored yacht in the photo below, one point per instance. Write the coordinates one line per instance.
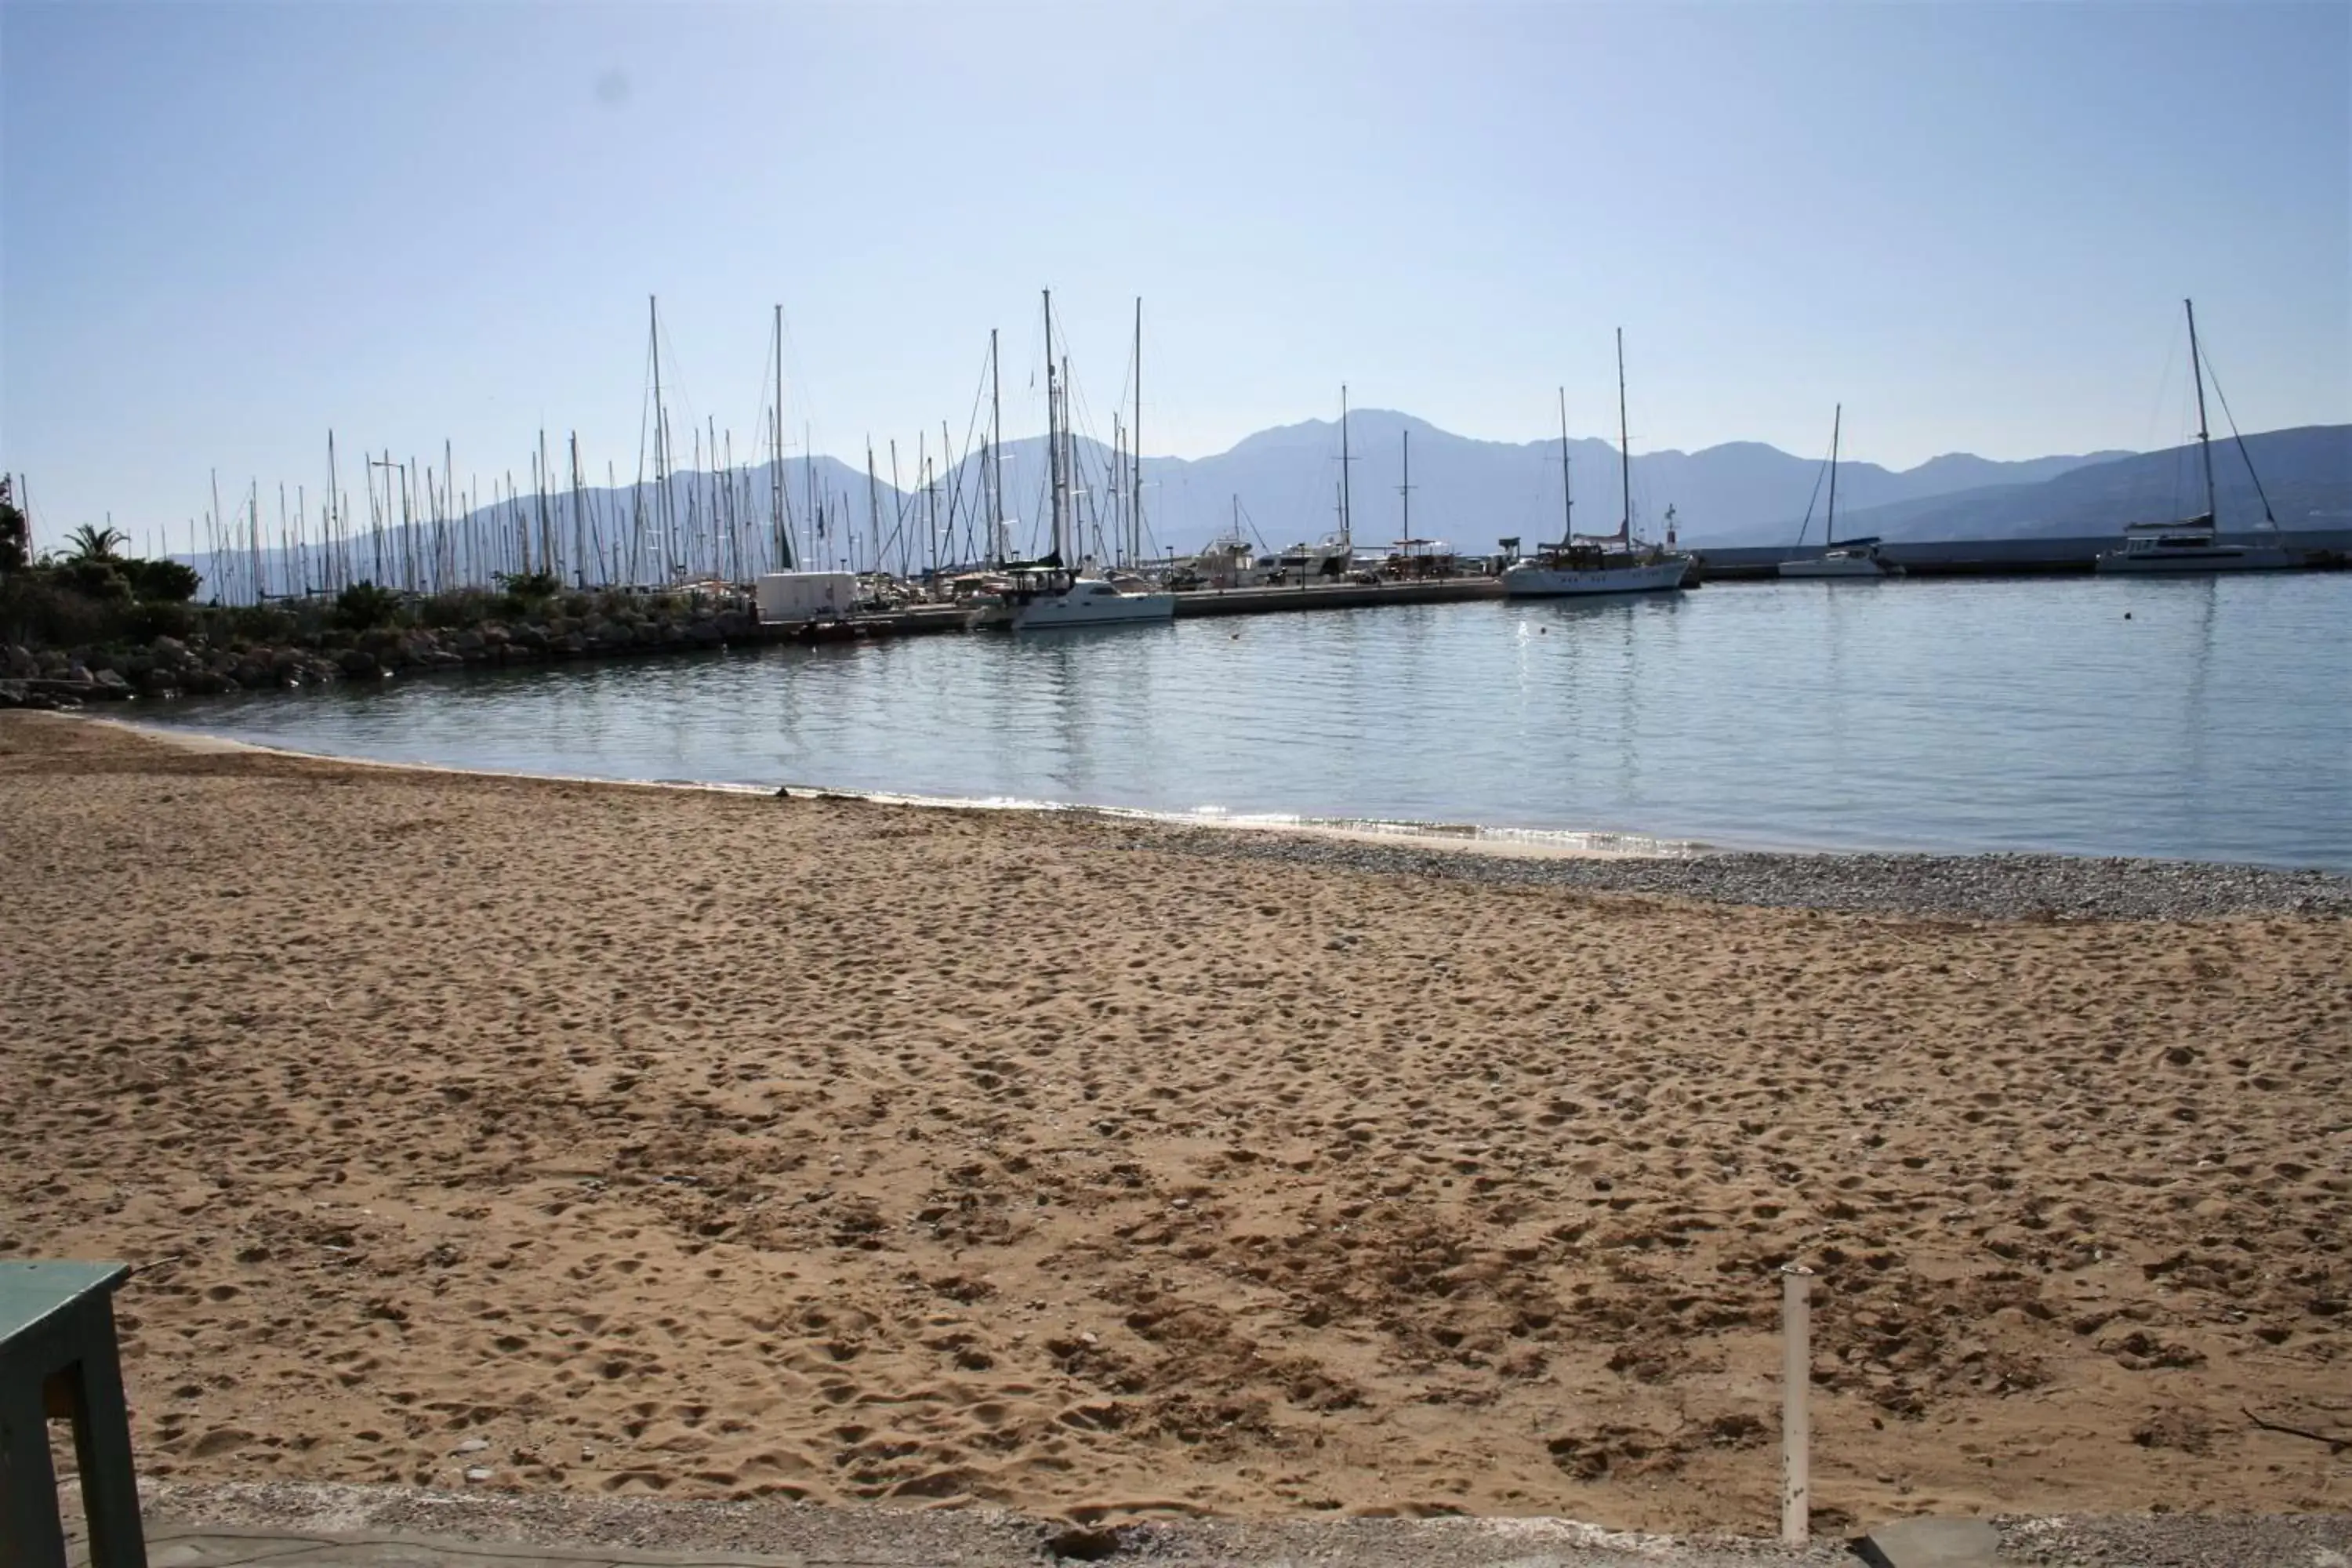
(1046, 596)
(1851, 558)
(2194, 544)
(1610, 564)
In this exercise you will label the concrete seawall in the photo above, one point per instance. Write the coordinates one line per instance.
(2321, 548)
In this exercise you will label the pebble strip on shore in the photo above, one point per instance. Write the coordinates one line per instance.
(1965, 887)
(997, 1538)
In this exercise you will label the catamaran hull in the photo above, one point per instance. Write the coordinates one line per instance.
(2221, 558)
(1059, 612)
(1822, 567)
(1530, 582)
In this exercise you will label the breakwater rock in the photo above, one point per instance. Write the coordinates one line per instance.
(200, 665)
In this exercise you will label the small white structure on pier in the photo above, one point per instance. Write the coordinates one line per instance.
(789, 596)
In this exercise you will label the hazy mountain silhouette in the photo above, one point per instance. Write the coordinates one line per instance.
(2306, 473)
(1286, 481)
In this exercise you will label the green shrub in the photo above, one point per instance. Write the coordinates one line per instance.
(161, 582)
(457, 608)
(163, 618)
(91, 576)
(38, 610)
(364, 605)
(532, 586)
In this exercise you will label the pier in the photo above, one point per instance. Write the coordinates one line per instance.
(1334, 596)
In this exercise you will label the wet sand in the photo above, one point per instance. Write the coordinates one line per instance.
(626, 1140)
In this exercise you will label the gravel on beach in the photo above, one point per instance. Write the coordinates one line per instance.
(1967, 887)
(681, 1531)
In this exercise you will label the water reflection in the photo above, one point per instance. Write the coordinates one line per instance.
(1978, 714)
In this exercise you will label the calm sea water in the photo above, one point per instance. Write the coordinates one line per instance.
(2215, 723)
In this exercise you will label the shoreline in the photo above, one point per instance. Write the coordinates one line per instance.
(1985, 884)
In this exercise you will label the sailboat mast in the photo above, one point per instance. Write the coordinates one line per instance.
(874, 511)
(995, 455)
(1053, 430)
(1346, 530)
(665, 517)
(1404, 489)
(776, 479)
(1566, 500)
(1135, 457)
(1624, 446)
(1828, 529)
(2204, 441)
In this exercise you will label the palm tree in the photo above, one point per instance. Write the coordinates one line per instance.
(91, 542)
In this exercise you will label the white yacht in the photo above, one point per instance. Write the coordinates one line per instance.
(2189, 546)
(1610, 564)
(1046, 596)
(1853, 557)
(1048, 600)
(2193, 544)
(1588, 566)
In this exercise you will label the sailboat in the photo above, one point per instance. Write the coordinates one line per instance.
(1854, 557)
(1332, 558)
(1052, 594)
(1611, 563)
(2193, 543)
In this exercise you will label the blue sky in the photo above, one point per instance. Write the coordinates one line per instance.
(225, 229)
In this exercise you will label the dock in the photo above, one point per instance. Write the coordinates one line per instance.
(1333, 597)
(2321, 549)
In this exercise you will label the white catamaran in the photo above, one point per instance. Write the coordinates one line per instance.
(1854, 557)
(1052, 594)
(2193, 544)
(1611, 563)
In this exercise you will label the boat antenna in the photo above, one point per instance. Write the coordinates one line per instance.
(2204, 441)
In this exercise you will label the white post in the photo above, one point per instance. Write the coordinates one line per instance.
(1796, 1378)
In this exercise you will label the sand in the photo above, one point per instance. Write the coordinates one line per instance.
(629, 1140)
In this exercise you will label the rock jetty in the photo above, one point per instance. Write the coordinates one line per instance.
(202, 666)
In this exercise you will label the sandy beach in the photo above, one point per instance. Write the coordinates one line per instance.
(580, 1138)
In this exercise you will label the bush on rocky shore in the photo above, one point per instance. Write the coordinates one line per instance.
(204, 650)
(92, 625)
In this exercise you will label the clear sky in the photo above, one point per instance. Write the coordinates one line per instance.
(225, 229)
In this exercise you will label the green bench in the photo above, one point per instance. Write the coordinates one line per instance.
(57, 1359)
